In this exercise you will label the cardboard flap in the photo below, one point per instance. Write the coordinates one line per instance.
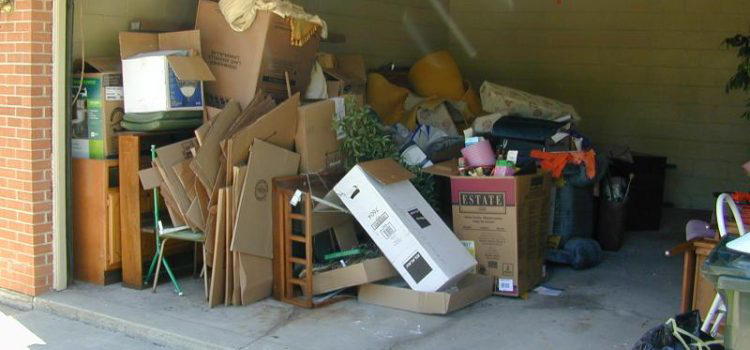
(150, 178)
(132, 43)
(184, 40)
(190, 68)
(386, 171)
(338, 74)
(447, 168)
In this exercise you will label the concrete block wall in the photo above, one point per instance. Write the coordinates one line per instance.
(25, 147)
(383, 31)
(104, 19)
(649, 74)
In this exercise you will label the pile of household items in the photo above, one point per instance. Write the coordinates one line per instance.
(312, 181)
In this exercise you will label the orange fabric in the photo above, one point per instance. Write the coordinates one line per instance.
(555, 162)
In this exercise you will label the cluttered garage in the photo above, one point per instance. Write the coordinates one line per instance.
(386, 174)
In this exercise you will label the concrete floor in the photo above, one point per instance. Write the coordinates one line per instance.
(33, 329)
(609, 306)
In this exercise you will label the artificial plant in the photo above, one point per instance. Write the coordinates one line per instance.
(365, 139)
(741, 79)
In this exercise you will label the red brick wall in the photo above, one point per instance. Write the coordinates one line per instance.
(25, 147)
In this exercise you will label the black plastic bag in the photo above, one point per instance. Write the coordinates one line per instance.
(662, 336)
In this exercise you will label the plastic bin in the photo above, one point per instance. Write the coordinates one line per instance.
(729, 271)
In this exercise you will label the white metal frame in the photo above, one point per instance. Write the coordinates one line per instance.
(718, 309)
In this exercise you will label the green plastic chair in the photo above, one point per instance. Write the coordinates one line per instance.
(162, 236)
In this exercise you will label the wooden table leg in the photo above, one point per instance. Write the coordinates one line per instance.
(688, 281)
(130, 209)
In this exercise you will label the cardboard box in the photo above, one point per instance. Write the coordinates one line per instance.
(98, 111)
(257, 58)
(424, 251)
(348, 75)
(368, 271)
(157, 76)
(469, 290)
(316, 140)
(507, 219)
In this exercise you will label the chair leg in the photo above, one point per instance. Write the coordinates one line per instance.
(158, 265)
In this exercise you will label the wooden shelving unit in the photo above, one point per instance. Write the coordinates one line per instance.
(293, 235)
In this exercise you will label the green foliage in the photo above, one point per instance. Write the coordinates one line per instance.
(366, 139)
(741, 79)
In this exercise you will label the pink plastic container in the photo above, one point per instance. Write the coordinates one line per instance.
(479, 154)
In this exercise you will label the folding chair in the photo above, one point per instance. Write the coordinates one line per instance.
(718, 309)
(175, 233)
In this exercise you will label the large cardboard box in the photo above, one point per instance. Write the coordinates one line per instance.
(424, 251)
(368, 271)
(469, 290)
(258, 58)
(163, 72)
(98, 110)
(506, 220)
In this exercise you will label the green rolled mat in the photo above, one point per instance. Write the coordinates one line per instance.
(157, 116)
(163, 125)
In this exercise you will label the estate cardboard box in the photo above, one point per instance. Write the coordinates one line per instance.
(469, 290)
(98, 110)
(424, 251)
(258, 58)
(163, 72)
(506, 220)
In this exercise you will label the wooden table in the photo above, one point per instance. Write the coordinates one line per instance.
(134, 155)
(697, 292)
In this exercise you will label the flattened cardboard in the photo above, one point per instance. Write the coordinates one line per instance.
(277, 127)
(424, 251)
(256, 278)
(368, 271)
(253, 228)
(166, 158)
(316, 140)
(386, 171)
(205, 163)
(471, 289)
(252, 60)
(218, 271)
(229, 279)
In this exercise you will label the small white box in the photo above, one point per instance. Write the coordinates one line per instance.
(156, 79)
(424, 251)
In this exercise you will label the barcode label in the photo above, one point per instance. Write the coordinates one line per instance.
(379, 220)
(505, 285)
(387, 231)
(113, 93)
